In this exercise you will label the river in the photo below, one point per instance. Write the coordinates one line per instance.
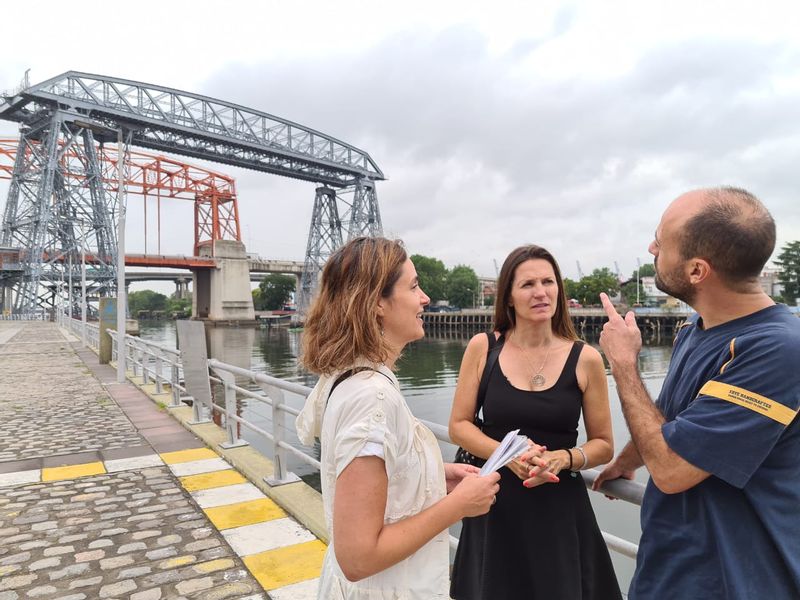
(427, 373)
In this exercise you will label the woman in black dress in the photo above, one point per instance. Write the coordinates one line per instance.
(541, 540)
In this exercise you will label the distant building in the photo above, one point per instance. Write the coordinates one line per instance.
(770, 283)
(488, 289)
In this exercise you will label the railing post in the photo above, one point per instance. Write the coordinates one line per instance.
(281, 474)
(145, 354)
(175, 382)
(231, 425)
(159, 387)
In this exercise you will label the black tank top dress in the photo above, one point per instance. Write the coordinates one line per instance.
(541, 543)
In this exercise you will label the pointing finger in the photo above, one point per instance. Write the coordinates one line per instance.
(610, 310)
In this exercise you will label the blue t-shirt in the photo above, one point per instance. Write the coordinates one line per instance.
(730, 399)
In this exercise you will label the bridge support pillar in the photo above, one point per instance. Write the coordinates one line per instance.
(6, 300)
(223, 293)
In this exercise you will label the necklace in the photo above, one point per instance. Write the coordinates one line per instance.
(537, 379)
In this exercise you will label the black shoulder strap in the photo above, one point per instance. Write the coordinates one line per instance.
(495, 346)
(347, 374)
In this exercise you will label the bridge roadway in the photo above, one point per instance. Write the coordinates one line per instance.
(103, 494)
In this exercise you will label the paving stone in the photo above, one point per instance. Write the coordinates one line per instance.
(151, 594)
(194, 585)
(17, 581)
(56, 550)
(69, 571)
(42, 590)
(45, 563)
(116, 589)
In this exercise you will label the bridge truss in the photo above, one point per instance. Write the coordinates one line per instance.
(69, 118)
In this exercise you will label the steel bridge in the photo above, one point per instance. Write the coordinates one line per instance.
(63, 199)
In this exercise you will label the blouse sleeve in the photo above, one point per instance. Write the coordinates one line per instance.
(360, 425)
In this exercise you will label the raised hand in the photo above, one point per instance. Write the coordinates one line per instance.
(620, 339)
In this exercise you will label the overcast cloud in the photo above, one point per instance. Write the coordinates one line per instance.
(573, 132)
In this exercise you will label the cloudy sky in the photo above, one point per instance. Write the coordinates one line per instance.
(567, 124)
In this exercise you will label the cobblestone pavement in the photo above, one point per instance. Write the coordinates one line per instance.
(50, 404)
(134, 533)
(123, 535)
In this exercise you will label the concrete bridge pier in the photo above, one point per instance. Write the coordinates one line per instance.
(223, 293)
(181, 288)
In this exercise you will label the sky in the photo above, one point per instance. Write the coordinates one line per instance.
(570, 125)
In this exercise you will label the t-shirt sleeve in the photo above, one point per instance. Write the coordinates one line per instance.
(361, 423)
(741, 412)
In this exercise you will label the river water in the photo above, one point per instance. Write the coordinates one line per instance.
(427, 373)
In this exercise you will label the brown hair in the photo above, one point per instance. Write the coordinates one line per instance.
(733, 231)
(505, 317)
(342, 325)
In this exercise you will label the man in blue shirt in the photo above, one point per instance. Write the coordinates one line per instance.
(721, 513)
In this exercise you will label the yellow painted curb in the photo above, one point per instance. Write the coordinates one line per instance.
(182, 456)
(284, 566)
(73, 471)
(215, 479)
(244, 513)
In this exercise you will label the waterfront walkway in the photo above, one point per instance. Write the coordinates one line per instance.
(104, 494)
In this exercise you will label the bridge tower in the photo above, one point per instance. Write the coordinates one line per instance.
(362, 217)
(57, 211)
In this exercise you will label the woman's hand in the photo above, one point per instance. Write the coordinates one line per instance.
(546, 467)
(475, 494)
(455, 472)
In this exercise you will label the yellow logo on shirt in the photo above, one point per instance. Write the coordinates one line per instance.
(755, 402)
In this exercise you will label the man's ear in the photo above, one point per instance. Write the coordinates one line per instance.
(698, 270)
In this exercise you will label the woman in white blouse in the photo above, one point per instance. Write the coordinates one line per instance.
(388, 498)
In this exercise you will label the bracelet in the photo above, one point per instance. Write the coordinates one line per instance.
(583, 454)
(570, 458)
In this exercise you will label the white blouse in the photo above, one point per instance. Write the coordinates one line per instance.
(363, 410)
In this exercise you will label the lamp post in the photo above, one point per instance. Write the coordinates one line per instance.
(122, 301)
(83, 294)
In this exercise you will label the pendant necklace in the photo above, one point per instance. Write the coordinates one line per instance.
(537, 380)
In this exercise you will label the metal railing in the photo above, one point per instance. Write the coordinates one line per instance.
(159, 364)
(272, 395)
(39, 316)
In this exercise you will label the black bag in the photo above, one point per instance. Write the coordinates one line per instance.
(495, 345)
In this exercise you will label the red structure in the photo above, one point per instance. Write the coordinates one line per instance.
(216, 211)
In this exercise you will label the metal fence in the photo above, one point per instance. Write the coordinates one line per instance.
(161, 366)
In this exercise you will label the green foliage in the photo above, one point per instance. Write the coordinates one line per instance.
(274, 292)
(462, 286)
(570, 288)
(181, 307)
(488, 300)
(629, 289)
(432, 276)
(146, 300)
(587, 290)
(789, 262)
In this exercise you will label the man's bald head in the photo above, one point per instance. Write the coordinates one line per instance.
(729, 227)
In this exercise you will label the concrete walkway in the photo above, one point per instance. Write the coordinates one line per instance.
(103, 494)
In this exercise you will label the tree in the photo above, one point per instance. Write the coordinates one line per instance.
(146, 300)
(789, 262)
(570, 288)
(462, 286)
(601, 280)
(432, 276)
(629, 289)
(274, 291)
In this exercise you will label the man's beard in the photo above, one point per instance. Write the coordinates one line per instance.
(674, 285)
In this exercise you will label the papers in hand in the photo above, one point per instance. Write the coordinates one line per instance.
(510, 448)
